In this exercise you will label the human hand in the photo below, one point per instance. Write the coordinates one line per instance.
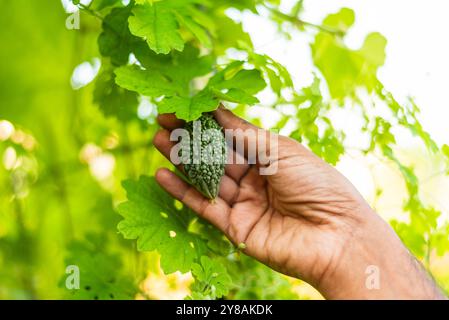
(306, 220)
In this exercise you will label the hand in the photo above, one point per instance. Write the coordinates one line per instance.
(306, 220)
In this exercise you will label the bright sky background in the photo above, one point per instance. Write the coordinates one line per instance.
(417, 62)
(417, 52)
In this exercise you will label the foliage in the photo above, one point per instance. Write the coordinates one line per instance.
(59, 200)
(211, 279)
(152, 218)
(101, 271)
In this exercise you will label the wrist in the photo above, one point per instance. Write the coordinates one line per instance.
(374, 264)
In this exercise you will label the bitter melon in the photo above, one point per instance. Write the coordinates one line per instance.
(206, 155)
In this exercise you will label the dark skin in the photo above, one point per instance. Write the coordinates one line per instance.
(306, 220)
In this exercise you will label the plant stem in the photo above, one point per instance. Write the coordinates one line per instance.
(301, 23)
(90, 11)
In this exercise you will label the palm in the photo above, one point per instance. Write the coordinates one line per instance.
(286, 220)
(280, 228)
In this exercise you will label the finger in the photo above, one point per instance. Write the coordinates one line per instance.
(237, 166)
(228, 187)
(217, 213)
(162, 142)
(169, 121)
(228, 120)
(253, 179)
(245, 138)
(229, 190)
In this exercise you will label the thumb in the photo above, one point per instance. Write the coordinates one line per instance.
(257, 145)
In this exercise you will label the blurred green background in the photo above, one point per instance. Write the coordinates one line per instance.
(63, 160)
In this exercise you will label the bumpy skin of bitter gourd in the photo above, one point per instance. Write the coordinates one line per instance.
(205, 174)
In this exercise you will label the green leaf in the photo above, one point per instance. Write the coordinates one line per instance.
(156, 24)
(113, 100)
(346, 70)
(211, 279)
(147, 83)
(256, 281)
(445, 150)
(326, 143)
(189, 109)
(440, 239)
(373, 49)
(414, 241)
(235, 85)
(235, 95)
(196, 29)
(204, 19)
(179, 67)
(116, 41)
(276, 73)
(241, 4)
(341, 20)
(229, 34)
(101, 273)
(150, 216)
(172, 77)
(250, 81)
(275, 81)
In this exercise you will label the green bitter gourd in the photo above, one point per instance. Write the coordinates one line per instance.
(206, 166)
